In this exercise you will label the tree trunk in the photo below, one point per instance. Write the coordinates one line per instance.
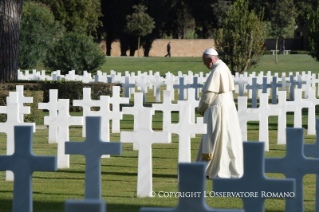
(10, 16)
(276, 59)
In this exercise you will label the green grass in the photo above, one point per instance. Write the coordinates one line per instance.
(119, 173)
(286, 63)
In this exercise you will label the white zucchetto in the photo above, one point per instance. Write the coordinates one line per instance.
(211, 51)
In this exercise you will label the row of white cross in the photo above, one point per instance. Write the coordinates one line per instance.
(59, 121)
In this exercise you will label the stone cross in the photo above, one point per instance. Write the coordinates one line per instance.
(63, 121)
(116, 101)
(192, 181)
(52, 106)
(254, 182)
(274, 86)
(13, 110)
(284, 107)
(166, 107)
(181, 88)
(264, 112)
(292, 87)
(23, 163)
(196, 86)
(300, 103)
(170, 81)
(191, 101)
(157, 82)
(284, 82)
(22, 99)
(86, 103)
(294, 165)
(143, 84)
(93, 148)
(138, 105)
(127, 85)
(87, 205)
(241, 81)
(185, 128)
(244, 116)
(265, 85)
(312, 111)
(254, 87)
(145, 137)
(312, 150)
(106, 115)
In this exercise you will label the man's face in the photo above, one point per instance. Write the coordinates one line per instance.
(208, 62)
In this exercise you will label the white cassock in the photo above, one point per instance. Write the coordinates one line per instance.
(222, 146)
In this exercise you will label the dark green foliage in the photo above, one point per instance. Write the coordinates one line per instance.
(139, 23)
(38, 29)
(76, 15)
(74, 51)
(240, 41)
(313, 24)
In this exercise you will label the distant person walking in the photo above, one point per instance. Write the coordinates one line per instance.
(168, 49)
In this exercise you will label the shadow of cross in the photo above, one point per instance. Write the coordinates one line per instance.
(23, 163)
(192, 185)
(294, 165)
(312, 150)
(145, 137)
(254, 187)
(254, 87)
(92, 148)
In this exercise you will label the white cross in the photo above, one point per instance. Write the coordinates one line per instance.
(13, 111)
(63, 121)
(127, 85)
(264, 112)
(158, 82)
(244, 116)
(138, 105)
(301, 103)
(145, 137)
(143, 84)
(181, 88)
(185, 128)
(86, 103)
(312, 111)
(284, 107)
(52, 106)
(116, 101)
(167, 107)
(170, 82)
(22, 99)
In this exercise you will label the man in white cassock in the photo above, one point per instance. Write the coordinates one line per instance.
(222, 146)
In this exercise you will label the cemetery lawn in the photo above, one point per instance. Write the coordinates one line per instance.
(286, 63)
(119, 173)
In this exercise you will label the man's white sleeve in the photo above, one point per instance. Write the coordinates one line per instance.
(205, 101)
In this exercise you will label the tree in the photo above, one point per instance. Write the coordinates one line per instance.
(76, 15)
(10, 17)
(240, 40)
(38, 30)
(74, 51)
(283, 17)
(313, 24)
(139, 23)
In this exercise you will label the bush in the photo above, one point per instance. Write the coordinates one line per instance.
(74, 51)
(38, 29)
